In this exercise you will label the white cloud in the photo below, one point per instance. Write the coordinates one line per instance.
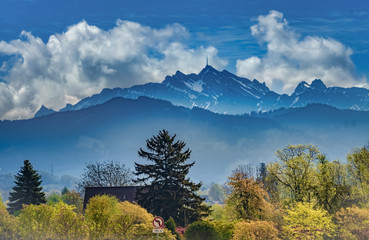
(291, 59)
(84, 59)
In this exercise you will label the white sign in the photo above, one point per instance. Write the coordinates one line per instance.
(157, 230)
(158, 222)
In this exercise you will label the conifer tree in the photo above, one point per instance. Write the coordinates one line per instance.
(168, 192)
(27, 189)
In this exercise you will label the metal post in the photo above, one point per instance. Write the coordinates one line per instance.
(157, 236)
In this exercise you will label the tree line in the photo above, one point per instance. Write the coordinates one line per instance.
(301, 195)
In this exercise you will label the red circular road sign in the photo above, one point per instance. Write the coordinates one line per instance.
(158, 222)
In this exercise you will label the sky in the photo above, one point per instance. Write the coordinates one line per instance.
(58, 52)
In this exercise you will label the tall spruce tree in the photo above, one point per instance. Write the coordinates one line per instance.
(168, 192)
(27, 189)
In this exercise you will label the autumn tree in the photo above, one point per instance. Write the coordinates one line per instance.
(294, 170)
(255, 230)
(27, 189)
(353, 223)
(168, 192)
(247, 197)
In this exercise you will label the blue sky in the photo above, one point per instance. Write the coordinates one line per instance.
(63, 55)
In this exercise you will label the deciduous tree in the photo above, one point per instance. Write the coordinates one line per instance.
(105, 174)
(247, 197)
(294, 170)
(305, 222)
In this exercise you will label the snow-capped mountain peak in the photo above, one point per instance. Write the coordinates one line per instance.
(224, 92)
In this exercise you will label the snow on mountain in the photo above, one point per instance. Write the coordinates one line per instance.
(224, 92)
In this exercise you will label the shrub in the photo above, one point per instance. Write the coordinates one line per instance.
(225, 229)
(255, 230)
(67, 224)
(99, 215)
(202, 230)
(8, 224)
(305, 222)
(353, 223)
(35, 222)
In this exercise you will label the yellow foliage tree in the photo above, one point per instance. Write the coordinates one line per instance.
(99, 215)
(67, 224)
(109, 219)
(255, 230)
(35, 222)
(304, 222)
(353, 223)
(8, 224)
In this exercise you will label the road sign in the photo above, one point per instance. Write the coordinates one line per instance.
(157, 230)
(158, 222)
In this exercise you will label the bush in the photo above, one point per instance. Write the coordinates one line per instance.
(35, 222)
(305, 222)
(99, 215)
(67, 224)
(255, 230)
(110, 219)
(353, 223)
(225, 229)
(202, 230)
(8, 224)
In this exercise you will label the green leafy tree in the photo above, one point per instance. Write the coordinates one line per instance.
(331, 188)
(27, 189)
(75, 199)
(217, 193)
(294, 170)
(358, 166)
(305, 222)
(168, 192)
(202, 230)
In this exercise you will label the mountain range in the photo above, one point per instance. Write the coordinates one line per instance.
(224, 92)
(116, 123)
(116, 129)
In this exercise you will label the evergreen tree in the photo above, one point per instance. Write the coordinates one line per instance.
(27, 189)
(167, 192)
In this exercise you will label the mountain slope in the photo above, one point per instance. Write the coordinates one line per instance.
(224, 92)
(116, 130)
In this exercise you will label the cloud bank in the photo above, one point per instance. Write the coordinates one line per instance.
(291, 59)
(85, 59)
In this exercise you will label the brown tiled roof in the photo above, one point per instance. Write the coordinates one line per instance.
(126, 193)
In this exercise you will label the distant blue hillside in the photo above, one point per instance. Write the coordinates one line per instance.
(116, 129)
